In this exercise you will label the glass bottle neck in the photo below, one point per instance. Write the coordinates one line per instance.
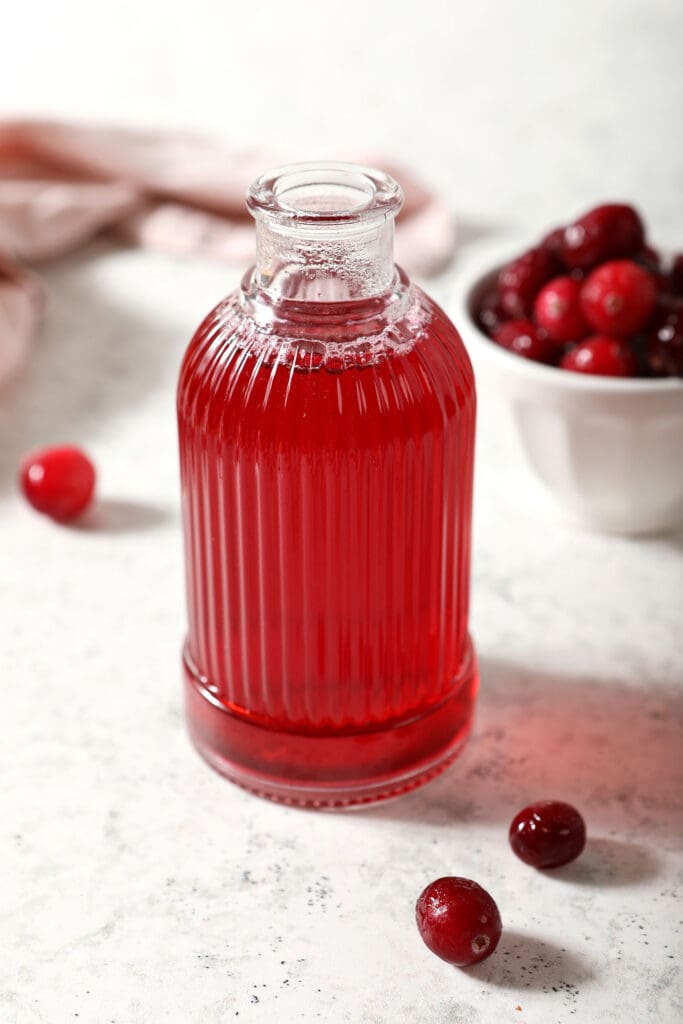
(325, 264)
(324, 233)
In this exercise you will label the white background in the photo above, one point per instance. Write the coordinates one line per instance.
(138, 886)
(511, 107)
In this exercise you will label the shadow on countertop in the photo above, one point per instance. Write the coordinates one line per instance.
(110, 515)
(606, 863)
(523, 961)
(610, 748)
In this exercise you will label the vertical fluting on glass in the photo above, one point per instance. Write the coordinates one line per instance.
(327, 524)
(326, 425)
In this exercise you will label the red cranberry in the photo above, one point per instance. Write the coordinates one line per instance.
(675, 278)
(458, 921)
(554, 242)
(558, 310)
(58, 481)
(618, 298)
(606, 357)
(664, 344)
(490, 314)
(520, 281)
(548, 834)
(601, 234)
(526, 339)
(649, 258)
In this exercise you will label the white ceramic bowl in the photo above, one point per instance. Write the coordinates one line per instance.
(609, 450)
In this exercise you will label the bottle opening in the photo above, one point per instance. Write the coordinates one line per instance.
(324, 232)
(333, 198)
(324, 193)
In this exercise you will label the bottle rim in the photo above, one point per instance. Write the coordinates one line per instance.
(324, 193)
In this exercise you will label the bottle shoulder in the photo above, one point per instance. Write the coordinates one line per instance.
(412, 359)
(323, 339)
(441, 330)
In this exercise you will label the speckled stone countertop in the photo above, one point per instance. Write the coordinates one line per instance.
(138, 887)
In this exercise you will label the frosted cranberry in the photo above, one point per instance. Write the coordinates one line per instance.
(58, 482)
(490, 314)
(618, 298)
(603, 233)
(557, 310)
(520, 281)
(548, 834)
(525, 338)
(600, 355)
(664, 344)
(458, 921)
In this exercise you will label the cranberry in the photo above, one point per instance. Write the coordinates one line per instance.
(664, 344)
(548, 834)
(606, 357)
(601, 234)
(58, 481)
(520, 281)
(526, 339)
(649, 258)
(675, 278)
(618, 298)
(558, 310)
(458, 921)
(554, 242)
(490, 314)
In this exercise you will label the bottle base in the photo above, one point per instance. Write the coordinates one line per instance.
(332, 769)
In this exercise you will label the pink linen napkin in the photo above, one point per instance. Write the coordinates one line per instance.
(62, 183)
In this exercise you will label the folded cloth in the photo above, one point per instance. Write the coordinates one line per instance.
(62, 183)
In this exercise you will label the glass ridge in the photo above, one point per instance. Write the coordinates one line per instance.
(326, 445)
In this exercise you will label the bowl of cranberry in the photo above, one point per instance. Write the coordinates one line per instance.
(580, 338)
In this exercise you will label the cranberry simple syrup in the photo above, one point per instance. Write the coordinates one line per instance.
(326, 419)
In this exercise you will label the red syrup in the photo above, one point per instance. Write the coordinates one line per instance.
(326, 462)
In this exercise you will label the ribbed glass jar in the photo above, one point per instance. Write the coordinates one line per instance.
(326, 418)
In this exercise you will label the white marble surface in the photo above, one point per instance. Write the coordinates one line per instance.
(138, 887)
